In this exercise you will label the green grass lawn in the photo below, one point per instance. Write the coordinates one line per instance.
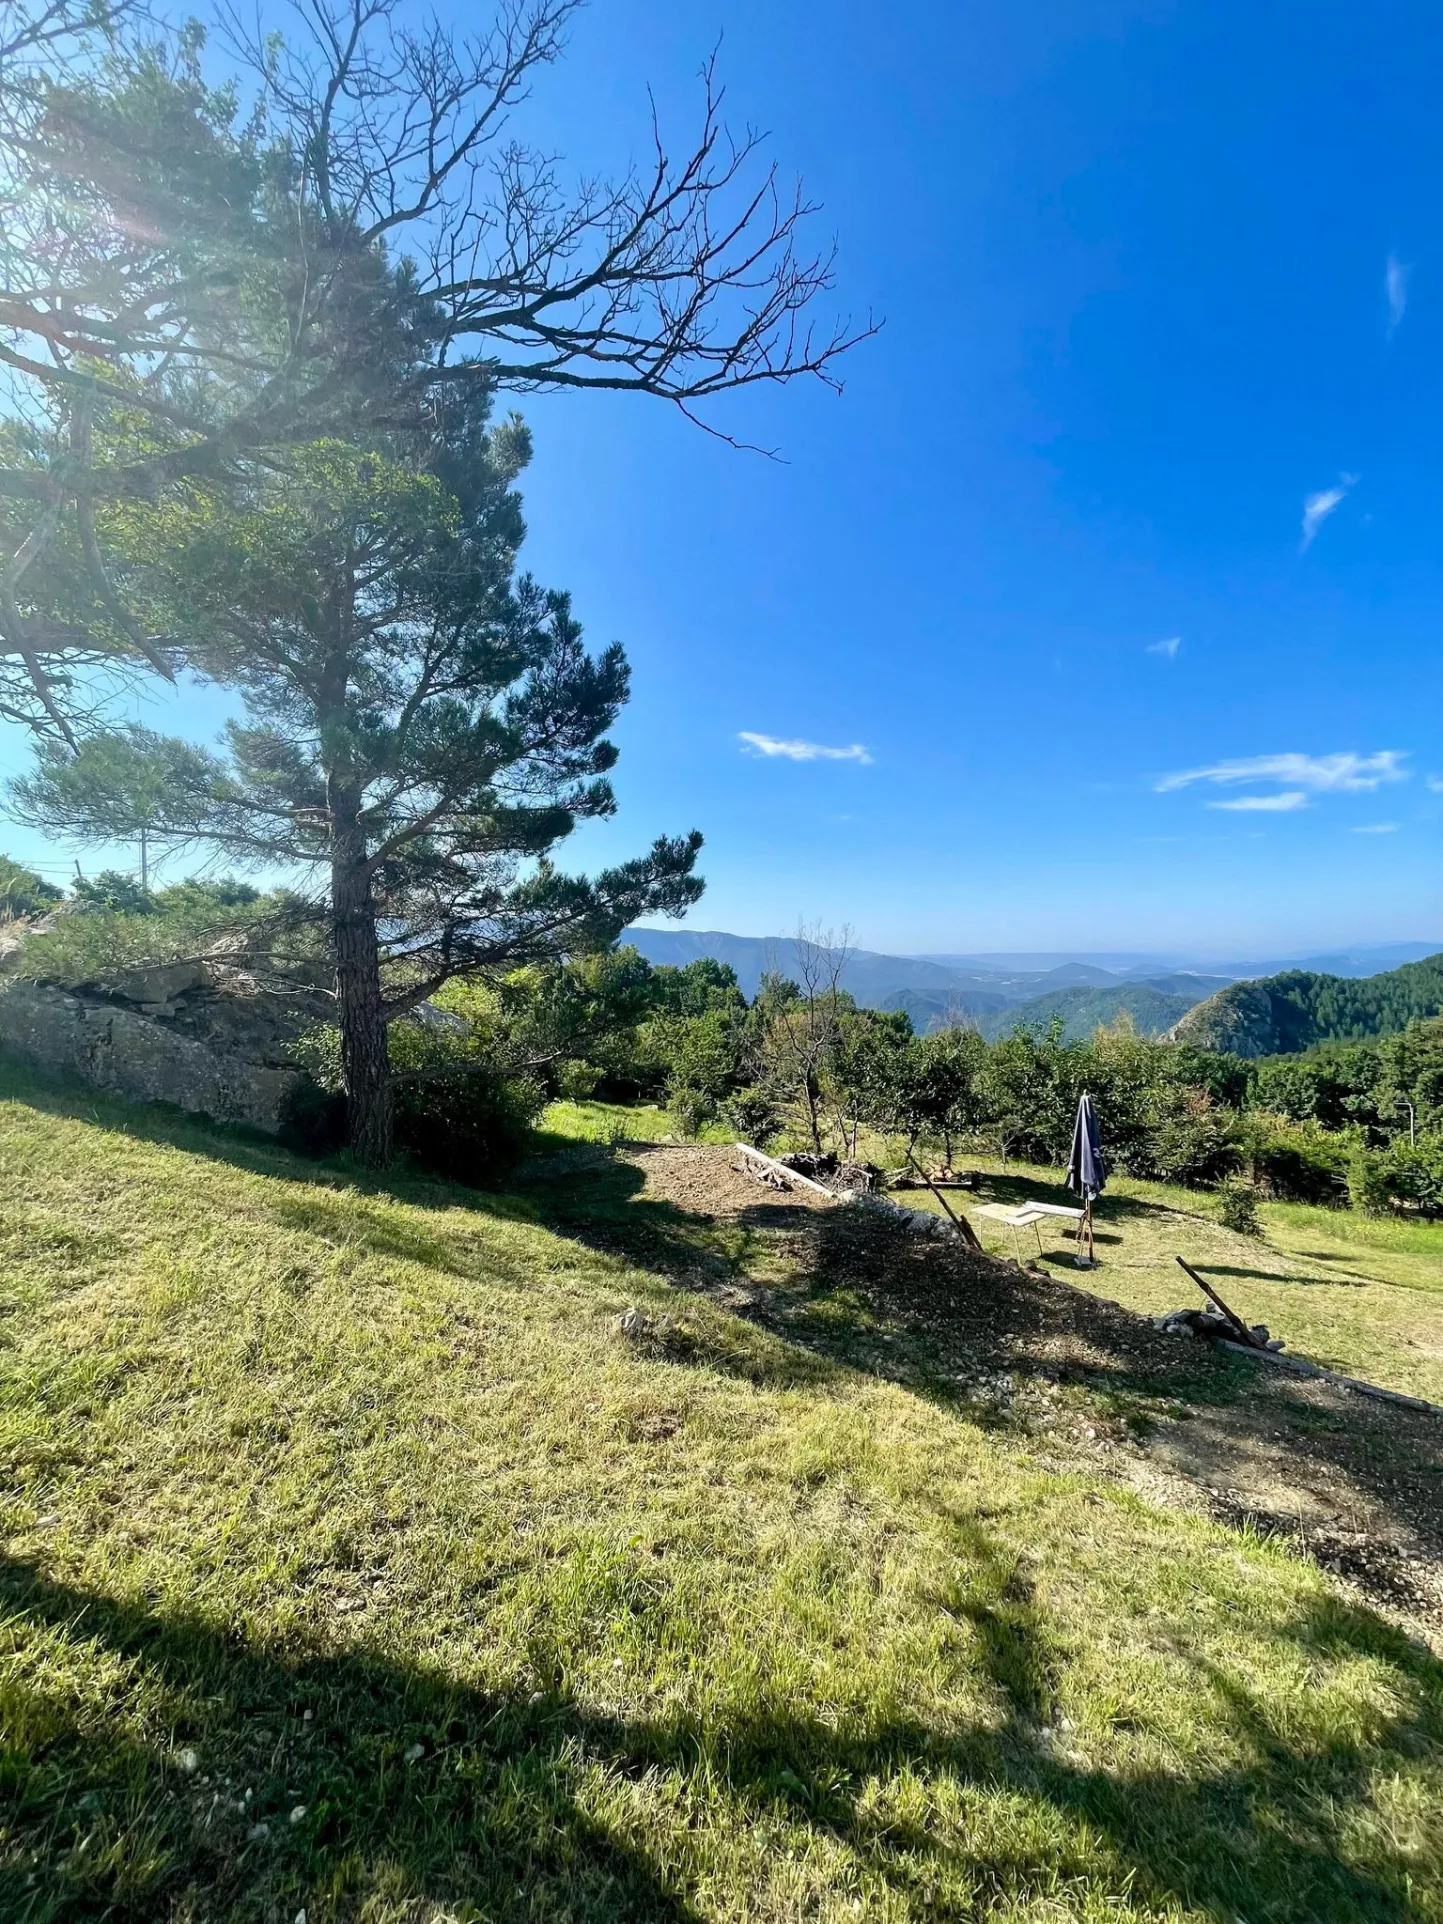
(354, 1564)
(1357, 1294)
(616, 1122)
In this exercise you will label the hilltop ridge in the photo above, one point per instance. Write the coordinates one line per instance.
(1296, 1010)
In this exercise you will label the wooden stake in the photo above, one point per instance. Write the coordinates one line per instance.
(1244, 1333)
(964, 1228)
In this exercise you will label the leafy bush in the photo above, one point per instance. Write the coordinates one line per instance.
(313, 1120)
(1238, 1206)
(755, 1114)
(458, 1114)
(22, 892)
(1369, 1188)
(1188, 1139)
(1334, 1086)
(470, 1125)
(690, 1111)
(112, 889)
(1403, 1173)
(1414, 1173)
(1296, 1162)
(94, 942)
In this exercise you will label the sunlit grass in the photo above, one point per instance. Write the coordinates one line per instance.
(1353, 1292)
(354, 1563)
(617, 1122)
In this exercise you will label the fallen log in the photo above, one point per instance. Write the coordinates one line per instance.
(767, 1169)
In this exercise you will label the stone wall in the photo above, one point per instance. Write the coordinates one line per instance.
(136, 1055)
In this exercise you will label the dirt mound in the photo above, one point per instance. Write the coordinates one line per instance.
(706, 1182)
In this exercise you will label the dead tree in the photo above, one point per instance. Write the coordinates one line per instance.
(801, 1028)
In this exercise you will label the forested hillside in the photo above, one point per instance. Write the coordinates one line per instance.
(1151, 1009)
(1284, 1014)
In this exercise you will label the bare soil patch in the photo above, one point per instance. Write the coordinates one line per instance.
(1356, 1485)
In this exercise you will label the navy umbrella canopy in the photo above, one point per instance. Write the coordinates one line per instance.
(1086, 1170)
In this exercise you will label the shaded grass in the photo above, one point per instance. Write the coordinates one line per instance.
(345, 1499)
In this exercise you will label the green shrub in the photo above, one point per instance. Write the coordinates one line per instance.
(94, 941)
(313, 1120)
(112, 889)
(1238, 1206)
(22, 892)
(575, 1080)
(470, 1125)
(1294, 1161)
(1369, 1185)
(457, 1114)
(1189, 1139)
(691, 1110)
(1414, 1173)
(756, 1116)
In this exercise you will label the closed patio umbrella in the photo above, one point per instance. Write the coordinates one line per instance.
(1086, 1169)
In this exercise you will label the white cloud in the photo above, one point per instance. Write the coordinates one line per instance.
(1395, 283)
(1271, 804)
(796, 751)
(1318, 773)
(1377, 828)
(1317, 507)
(1168, 647)
(1435, 782)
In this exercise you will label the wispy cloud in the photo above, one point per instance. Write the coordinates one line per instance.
(1395, 284)
(1282, 804)
(1316, 773)
(798, 751)
(1317, 507)
(1376, 828)
(1168, 647)
(1435, 782)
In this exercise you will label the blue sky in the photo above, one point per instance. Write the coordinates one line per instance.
(1113, 579)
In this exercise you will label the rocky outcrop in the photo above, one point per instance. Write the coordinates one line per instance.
(1239, 1020)
(197, 1034)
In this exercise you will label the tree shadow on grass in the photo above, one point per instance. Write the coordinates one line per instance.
(1279, 1276)
(344, 1221)
(941, 1323)
(421, 1797)
(414, 1792)
(911, 1311)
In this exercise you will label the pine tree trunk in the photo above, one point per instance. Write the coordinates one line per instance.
(365, 1066)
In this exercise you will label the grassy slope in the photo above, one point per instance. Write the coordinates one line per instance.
(1361, 1296)
(459, 1607)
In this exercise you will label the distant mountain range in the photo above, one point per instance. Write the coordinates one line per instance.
(999, 991)
(996, 992)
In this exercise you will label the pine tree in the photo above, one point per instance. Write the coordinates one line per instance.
(421, 728)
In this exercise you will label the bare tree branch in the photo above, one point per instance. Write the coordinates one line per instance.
(209, 292)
